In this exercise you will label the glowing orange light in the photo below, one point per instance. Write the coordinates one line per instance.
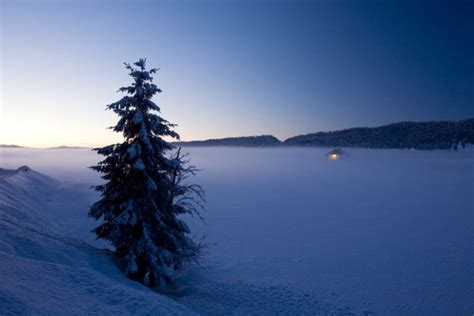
(334, 156)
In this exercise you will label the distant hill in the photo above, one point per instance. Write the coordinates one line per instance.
(67, 147)
(10, 146)
(249, 141)
(402, 135)
(57, 147)
(417, 135)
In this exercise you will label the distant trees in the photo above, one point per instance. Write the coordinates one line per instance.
(422, 135)
(145, 190)
(447, 135)
(465, 132)
(245, 141)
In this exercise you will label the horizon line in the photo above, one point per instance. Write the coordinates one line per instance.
(62, 146)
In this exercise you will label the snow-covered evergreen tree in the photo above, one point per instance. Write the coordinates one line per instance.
(144, 192)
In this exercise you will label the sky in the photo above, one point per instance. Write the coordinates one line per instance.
(233, 68)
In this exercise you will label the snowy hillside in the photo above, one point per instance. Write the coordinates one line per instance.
(46, 272)
(22, 195)
(289, 232)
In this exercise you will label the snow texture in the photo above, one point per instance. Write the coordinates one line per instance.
(386, 232)
(47, 270)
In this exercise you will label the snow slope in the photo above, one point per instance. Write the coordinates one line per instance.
(45, 271)
(386, 232)
(22, 193)
(389, 232)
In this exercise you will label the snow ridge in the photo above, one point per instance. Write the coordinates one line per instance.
(45, 272)
(23, 193)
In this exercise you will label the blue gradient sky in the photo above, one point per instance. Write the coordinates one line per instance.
(234, 67)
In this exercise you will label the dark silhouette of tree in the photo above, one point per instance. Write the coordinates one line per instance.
(145, 191)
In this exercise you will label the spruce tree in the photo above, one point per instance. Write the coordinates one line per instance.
(145, 191)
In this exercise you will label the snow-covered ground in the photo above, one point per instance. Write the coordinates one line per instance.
(384, 232)
(46, 270)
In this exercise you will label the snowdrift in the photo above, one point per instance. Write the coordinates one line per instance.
(23, 194)
(45, 271)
